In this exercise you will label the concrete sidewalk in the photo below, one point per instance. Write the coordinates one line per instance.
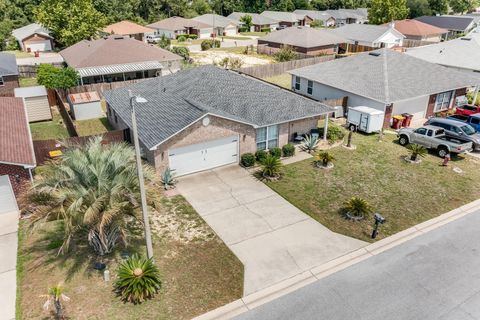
(8, 249)
(272, 238)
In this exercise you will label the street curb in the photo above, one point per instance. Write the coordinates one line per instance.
(284, 287)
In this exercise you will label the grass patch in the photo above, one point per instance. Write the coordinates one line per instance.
(53, 129)
(283, 80)
(235, 38)
(255, 34)
(186, 43)
(241, 50)
(28, 82)
(199, 272)
(405, 194)
(92, 126)
(20, 54)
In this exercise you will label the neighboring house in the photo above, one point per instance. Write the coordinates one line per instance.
(85, 105)
(308, 41)
(287, 19)
(418, 33)
(128, 28)
(456, 25)
(118, 58)
(259, 22)
(36, 102)
(365, 37)
(386, 80)
(206, 117)
(17, 157)
(8, 74)
(461, 53)
(33, 37)
(327, 19)
(222, 26)
(349, 16)
(175, 26)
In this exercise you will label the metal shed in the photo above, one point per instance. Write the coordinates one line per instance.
(85, 105)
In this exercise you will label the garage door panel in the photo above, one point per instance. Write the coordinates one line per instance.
(203, 156)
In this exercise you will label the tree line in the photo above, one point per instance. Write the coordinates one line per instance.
(73, 20)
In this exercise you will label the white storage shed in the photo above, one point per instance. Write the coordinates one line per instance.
(86, 105)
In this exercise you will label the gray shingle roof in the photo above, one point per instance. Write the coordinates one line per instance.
(389, 77)
(304, 37)
(193, 93)
(215, 20)
(362, 32)
(257, 19)
(459, 53)
(8, 64)
(456, 23)
(28, 30)
(315, 15)
(280, 16)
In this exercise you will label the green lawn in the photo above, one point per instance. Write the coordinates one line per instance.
(28, 82)
(92, 126)
(186, 43)
(257, 34)
(283, 80)
(234, 38)
(199, 273)
(53, 129)
(20, 54)
(406, 194)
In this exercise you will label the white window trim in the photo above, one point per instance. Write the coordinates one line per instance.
(435, 108)
(297, 82)
(310, 87)
(266, 137)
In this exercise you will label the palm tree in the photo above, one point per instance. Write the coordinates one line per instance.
(271, 166)
(55, 296)
(93, 189)
(416, 150)
(324, 157)
(356, 208)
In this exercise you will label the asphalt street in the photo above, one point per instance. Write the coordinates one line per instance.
(433, 276)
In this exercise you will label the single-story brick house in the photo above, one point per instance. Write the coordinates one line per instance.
(176, 26)
(259, 22)
(418, 33)
(221, 26)
(456, 25)
(17, 157)
(327, 19)
(118, 58)
(33, 37)
(306, 40)
(127, 28)
(207, 117)
(8, 74)
(386, 80)
(287, 19)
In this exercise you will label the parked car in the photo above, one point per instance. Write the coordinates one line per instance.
(457, 129)
(467, 109)
(434, 138)
(153, 38)
(473, 120)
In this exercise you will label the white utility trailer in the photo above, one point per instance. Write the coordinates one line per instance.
(365, 119)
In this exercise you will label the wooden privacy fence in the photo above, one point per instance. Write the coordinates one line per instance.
(67, 119)
(409, 43)
(275, 69)
(43, 147)
(265, 49)
(100, 87)
(30, 70)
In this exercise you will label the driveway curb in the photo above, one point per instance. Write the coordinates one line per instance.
(282, 288)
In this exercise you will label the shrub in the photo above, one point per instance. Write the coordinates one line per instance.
(271, 166)
(247, 159)
(183, 52)
(316, 24)
(208, 44)
(57, 78)
(164, 42)
(276, 152)
(288, 150)
(243, 29)
(193, 36)
(324, 158)
(356, 208)
(265, 30)
(309, 144)
(260, 155)
(416, 150)
(334, 132)
(287, 53)
(168, 178)
(138, 279)
(181, 38)
(55, 296)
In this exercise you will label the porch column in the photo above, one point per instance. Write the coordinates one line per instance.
(325, 128)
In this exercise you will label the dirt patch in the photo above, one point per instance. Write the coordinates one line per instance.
(211, 57)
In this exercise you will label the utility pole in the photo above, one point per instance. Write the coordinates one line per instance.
(143, 197)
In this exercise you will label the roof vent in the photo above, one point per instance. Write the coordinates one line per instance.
(466, 39)
(375, 54)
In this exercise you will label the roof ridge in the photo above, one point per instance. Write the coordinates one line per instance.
(385, 76)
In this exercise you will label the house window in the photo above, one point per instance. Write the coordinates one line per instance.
(297, 83)
(267, 137)
(2, 83)
(310, 87)
(443, 101)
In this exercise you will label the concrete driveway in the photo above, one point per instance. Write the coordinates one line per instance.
(273, 239)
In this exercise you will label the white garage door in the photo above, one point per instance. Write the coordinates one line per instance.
(230, 31)
(39, 46)
(203, 156)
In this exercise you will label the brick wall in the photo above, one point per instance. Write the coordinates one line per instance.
(19, 177)
(303, 126)
(388, 116)
(431, 106)
(10, 83)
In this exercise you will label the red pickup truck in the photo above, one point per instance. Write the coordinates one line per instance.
(467, 110)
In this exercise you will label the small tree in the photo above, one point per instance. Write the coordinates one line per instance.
(247, 21)
(183, 52)
(271, 167)
(316, 24)
(356, 208)
(416, 151)
(324, 158)
(57, 78)
(55, 296)
(164, 42)
(286, 53)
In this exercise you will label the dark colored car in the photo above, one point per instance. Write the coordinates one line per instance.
(457, 129)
